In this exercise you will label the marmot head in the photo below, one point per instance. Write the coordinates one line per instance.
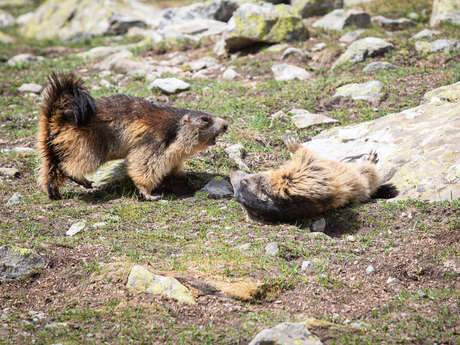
(202, 129)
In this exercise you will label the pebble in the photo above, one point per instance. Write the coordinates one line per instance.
(351, 238)
(285, 71)
(9, 172)
(230, 74)
(393, 281)
(370, 269)
(169, 85)
(15, 199)
(30, 87)
(244, 246)
(76, 228)
(318, 47)
(272, 248)
(99, 225)
(306, 265)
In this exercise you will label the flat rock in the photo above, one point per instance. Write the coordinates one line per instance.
(30, 87)
(140, 279)
(303, 118)
(218, 188)
(9, 172)
(438, 45)
(169, 85)
(426, 33)
(21, 150)
(98, 52)
(23, 59)
(286, 333)
(272, 249)
(417, 149)
(378, 66)
(311, 8)
(306, 265)
(75, 228)
(284, 71)
(193, 29)
(370, 91)
(15, 199)
(393, 24)
(71, 19)
(448, 93)
(254, 23)
(351, 36)
(244, 289)
(16, 262)
(359, 50)
(230, 74)
(205, 62)
(340, 19)
(445, 11)
(6, 19)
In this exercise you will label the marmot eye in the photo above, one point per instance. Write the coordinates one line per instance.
(205, 119)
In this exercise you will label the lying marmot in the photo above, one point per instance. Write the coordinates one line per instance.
(78, 133)
(307, 186)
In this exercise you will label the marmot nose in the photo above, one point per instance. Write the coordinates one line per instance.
(225, 127)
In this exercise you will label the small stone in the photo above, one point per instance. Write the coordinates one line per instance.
(318, 47)
(230, 74)
(205, 62)
(105, 83)
(304, 119)
(76, 228)
(438, 45)
(393, 24)
(30, 87)
(370, 269)
(285, 71)
(292, 51)
(99, 225)
(351, 238)
(244, 246)
(370, 91)
(278, 115)
(359, 324)
(378, 65)
(169, 85)
(306, 265)
(351, 36)
(218, 188)
(421, 293)
(236, 153)
(22, 150)
(393, 281)
(15, 199)
(340, 18)
(9, 172)
(286, 333)
(319, 225)
(272, 248)
(426, 33)
(413, 16)
(23, 59)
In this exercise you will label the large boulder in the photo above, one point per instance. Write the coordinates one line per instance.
(417, 148)
(69, 19)
(445, 11)
(16, 262)
(310, 8)
(253, 23)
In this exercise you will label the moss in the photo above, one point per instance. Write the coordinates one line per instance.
(22, 251)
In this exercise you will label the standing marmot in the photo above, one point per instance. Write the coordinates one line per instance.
(78, 133)
(308, 185)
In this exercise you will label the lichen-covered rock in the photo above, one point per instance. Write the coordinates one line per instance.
(438, 45)
(370, 91)
(68, 19)
(311, 8)
(393, 24)
(339, 19)
(286, 333)
(303, 118)
(6, 19)
(445, 11)
(142, 280)
(253, 23)
(417, 149)
(359, 50)
(16, 262)
(448, 93)
(378, 66)
(425, 33)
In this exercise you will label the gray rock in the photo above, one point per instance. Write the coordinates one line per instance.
(306, 266)
(169, 85)
(22, 150)
(318, 47)
(18, 262)
(370, 91)
(194, 30)
(426, 33)
(253, 23)
(244, 246)
(75, 228)
(218, 188)
(311, 8)
(319, 225)
(99, 225)
(15, 199)
(205, 62)
(378, 65)
(340, 19)
(417, 151)
(438, 45)
(393, 24)
(30, 87)
(272, 249)
(6, 19)
(448, 93)
(303, 118)
(6, 39)
(98, 52)
(24, 18)
(119, 24)
(230, 74)
(320, 235)
(236, 153)
(351, 36)
(393, 281)
(286, 333)
(445, 11)
(284, 71)
(370, 269)
(292, 51)
(9, 172)
(359, 50)
(413, 16)
(23, 59)
(351, 238)
(221, 47)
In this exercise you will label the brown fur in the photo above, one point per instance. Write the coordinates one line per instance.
(77, 134)
(308, 185)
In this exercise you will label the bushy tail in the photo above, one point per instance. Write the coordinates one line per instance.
(65, 102)
(385, 191)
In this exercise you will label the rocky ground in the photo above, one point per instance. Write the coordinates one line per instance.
(76, 271)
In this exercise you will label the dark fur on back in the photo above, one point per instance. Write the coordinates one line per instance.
(68, 85)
